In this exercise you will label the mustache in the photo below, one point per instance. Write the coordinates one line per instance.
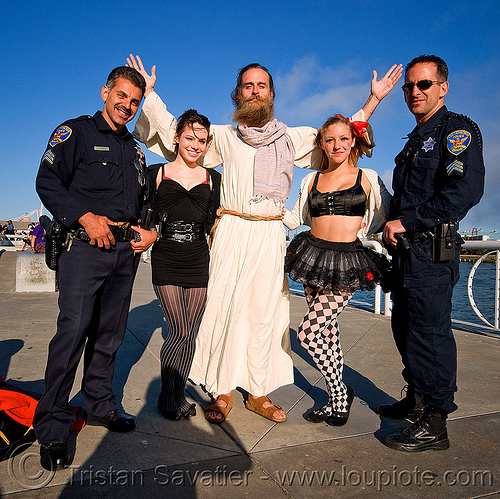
(262, 101)
(253, 97)
(123, 109)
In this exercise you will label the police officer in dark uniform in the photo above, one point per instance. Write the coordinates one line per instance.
(92, 178)
(438, 178)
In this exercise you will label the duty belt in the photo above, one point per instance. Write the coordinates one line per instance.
(418, 237)
(122, 233)
(183, 232)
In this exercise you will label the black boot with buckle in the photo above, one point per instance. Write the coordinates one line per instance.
(410, 407)
(427, 433)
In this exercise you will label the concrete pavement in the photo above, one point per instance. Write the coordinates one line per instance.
(249, 455)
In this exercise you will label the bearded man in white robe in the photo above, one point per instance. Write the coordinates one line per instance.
(244, 339)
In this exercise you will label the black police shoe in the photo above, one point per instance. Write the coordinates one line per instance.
(114, 421)
(427, 433)
(410, 407)
(341, 418)
(55, 455)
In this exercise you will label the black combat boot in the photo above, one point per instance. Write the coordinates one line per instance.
(427, 433)
(410, 407)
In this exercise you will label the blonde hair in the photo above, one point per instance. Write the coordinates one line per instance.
(357, 148)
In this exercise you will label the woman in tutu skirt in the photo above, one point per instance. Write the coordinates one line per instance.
(341, 203)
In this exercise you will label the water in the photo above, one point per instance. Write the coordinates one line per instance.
(483, 291)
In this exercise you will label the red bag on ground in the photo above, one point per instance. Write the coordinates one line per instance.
(17, 409)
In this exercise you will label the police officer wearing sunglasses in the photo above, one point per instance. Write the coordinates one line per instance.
(92, 179)
(438, 178)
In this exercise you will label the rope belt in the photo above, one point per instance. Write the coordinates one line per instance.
(246, 216)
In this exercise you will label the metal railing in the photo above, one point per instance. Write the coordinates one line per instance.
(15, 241)
(377, 246)
(492, 247)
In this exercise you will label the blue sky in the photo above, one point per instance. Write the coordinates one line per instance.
(57, 56)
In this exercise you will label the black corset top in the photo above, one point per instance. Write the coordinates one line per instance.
(350, 202)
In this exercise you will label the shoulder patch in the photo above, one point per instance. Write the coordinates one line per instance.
(48, 156)
(458, 141)
(60, 135)
(456, 166)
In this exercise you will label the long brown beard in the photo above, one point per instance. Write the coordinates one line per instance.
(250, 114)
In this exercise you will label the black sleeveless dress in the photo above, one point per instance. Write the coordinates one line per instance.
(181, 263)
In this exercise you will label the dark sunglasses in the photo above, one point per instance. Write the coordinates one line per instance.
(421, 85)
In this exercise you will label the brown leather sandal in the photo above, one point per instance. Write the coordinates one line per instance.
(256, 405)
(221, 410)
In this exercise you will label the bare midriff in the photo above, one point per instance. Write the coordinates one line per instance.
(336, 228)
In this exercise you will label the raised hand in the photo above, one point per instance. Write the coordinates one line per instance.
(380, 88)
(150, 78)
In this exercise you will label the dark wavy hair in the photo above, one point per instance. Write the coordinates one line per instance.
(442, 68)
(188, 119)
(236, 93)
(130, 74)
(357, 149)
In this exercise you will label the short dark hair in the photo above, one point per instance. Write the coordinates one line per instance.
(442, 68)
(130, 74)
(235, 94)
(189, 118)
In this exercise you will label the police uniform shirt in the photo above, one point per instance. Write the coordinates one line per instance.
(439, 175)
(88, 167)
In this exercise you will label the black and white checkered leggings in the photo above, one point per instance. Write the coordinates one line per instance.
(319, 334)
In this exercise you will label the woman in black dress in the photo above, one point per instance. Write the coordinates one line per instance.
(186, 199)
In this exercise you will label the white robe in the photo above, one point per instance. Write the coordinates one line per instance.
(243, 339)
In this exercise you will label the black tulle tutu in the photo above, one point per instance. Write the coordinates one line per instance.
(339, 267)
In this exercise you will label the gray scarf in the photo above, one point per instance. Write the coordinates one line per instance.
(273, 167)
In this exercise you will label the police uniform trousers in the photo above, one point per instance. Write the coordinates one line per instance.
(421, 323)
(95, 286)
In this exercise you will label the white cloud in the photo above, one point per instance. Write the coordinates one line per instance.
(309, 92)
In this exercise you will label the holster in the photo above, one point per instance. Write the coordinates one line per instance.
(58, 237)
(55, 240)
(445, 242)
